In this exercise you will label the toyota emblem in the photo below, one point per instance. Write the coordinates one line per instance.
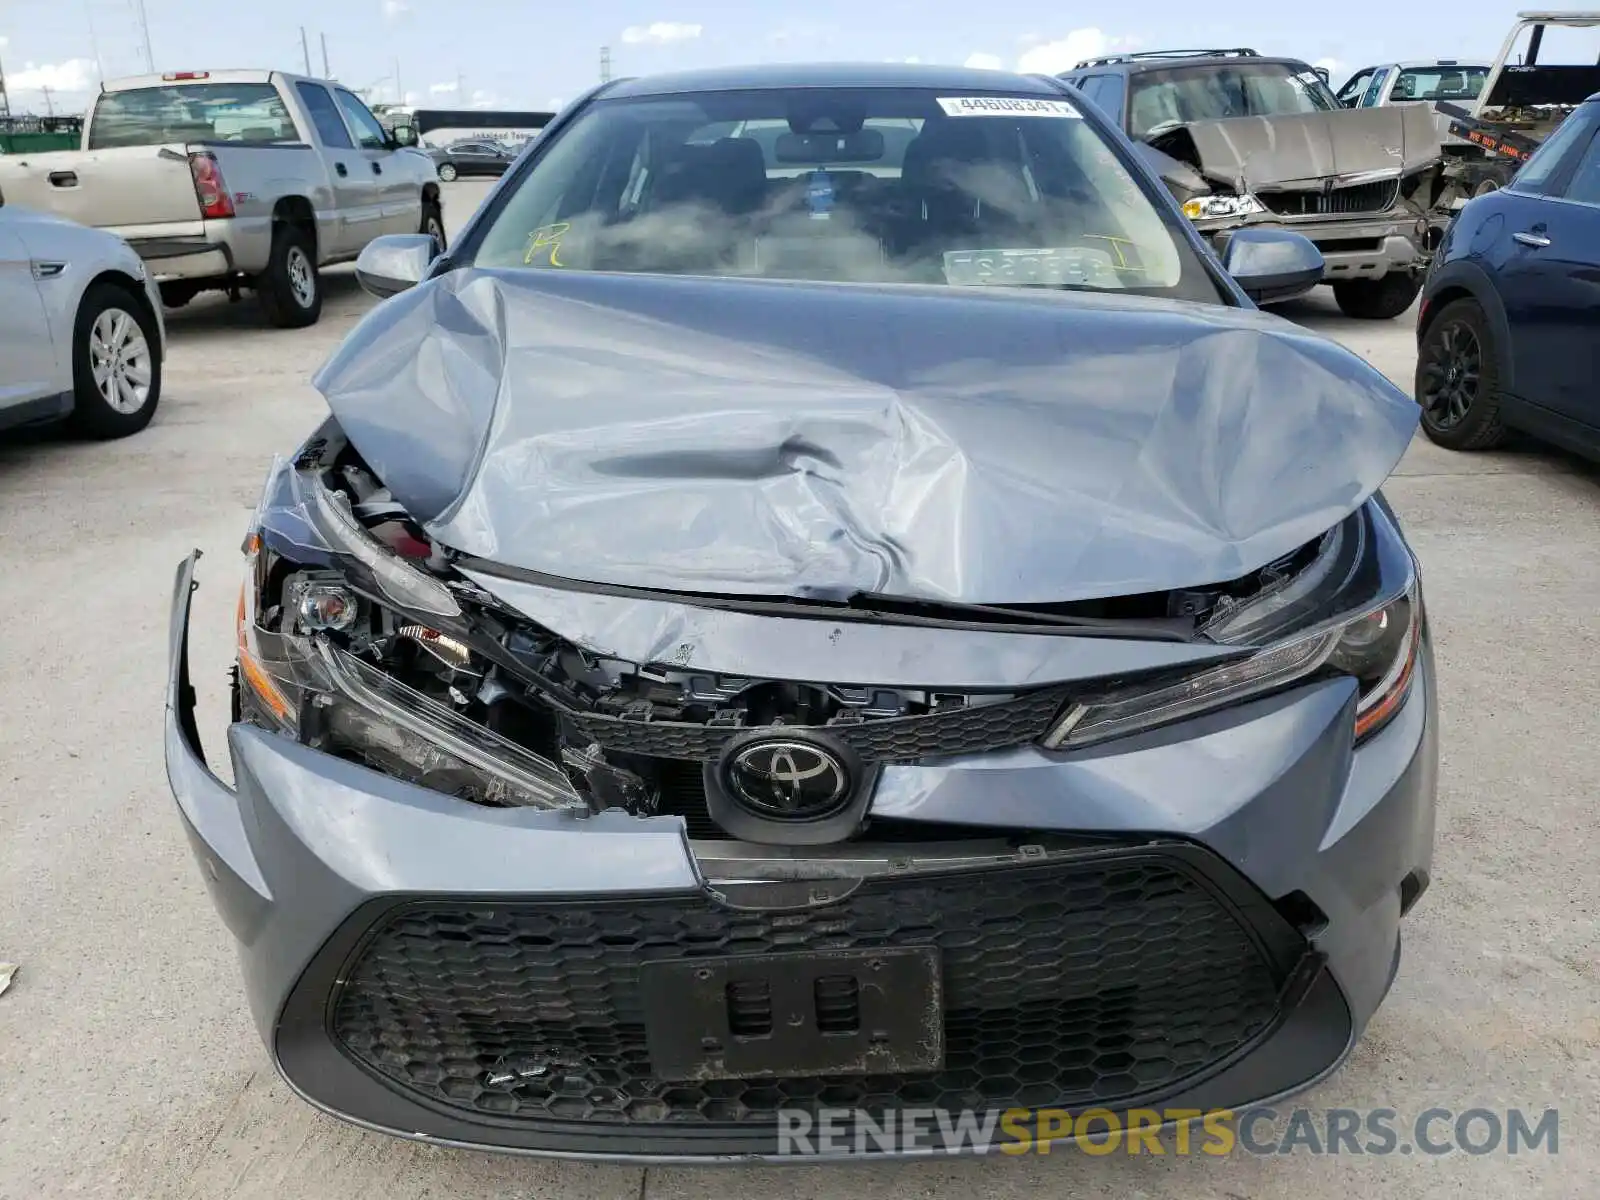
(787, 780)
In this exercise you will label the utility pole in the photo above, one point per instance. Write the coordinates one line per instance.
(5, 100)
(399, 88)
(326, 74)
(461, 90)
(144, 32)
(305, 49)
(605, 64)
(49, 108)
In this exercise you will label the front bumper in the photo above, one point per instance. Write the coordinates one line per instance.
(1222, 927)
(1352, 249)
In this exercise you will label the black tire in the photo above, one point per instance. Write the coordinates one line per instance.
(290, 289)
(116, 354)
(433, 223)
(447, 172)
(1460, 411)
(1377, 299)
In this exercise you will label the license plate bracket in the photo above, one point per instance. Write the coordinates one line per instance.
(824, 1012)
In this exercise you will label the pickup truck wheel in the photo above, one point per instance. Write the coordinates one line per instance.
(1377, 299)
(433, 224)
(116, 364)
(1458, 380)
(290, 289)
(447, 172)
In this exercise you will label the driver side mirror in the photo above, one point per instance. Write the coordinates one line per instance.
(395, 262)
(1273, 264)
(404, 135)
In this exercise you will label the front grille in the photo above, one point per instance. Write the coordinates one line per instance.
(1094, 980)
(971, 729)
(1341, 201)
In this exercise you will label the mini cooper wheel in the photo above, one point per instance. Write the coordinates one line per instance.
(1458, 380)
(116, 364)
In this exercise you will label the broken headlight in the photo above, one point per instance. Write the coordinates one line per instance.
(1206, 208)
(1355, 610)
(325, 655)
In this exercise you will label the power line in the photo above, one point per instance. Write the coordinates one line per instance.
(144, 31)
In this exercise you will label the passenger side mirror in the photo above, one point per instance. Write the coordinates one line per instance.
(391, 264)
(404, 135)
(1273, 264)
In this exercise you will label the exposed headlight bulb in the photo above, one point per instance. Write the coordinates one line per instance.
(327, 607)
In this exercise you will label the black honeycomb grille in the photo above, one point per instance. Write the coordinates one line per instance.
(971, 729)
(1083, 982)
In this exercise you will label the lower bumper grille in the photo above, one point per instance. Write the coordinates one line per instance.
(1109, 978)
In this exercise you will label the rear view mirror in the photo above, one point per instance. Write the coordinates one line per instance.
(862, 146)
(1273, 264)
(393, 263)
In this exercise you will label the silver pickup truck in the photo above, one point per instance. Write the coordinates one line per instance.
(229, 179)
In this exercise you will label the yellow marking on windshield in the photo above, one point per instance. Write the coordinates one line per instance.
(547, 237)
(1117, 243)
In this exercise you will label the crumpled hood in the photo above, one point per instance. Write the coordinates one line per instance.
(1307, 147)
(776, 438)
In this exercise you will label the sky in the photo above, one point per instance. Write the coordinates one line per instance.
(521, 54)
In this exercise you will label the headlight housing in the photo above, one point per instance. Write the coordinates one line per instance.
(1205, 208)
(307, 663)
(1292, 637)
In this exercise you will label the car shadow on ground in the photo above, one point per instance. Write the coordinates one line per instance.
(212, 314)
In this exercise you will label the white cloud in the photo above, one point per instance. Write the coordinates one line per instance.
(1041, 56)
(1052, 58)
(910, 58)
(442, 89)
(482, 99)
(660, 33)
(73, 75)
(395, 9)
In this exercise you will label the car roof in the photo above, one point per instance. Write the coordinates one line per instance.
(826, 75)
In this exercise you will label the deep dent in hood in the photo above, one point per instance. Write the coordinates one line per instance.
(820, 440)
(1309, 147)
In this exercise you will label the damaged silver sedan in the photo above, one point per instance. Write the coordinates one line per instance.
(829, 598)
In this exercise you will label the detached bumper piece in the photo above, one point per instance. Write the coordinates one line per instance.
(677, 1026)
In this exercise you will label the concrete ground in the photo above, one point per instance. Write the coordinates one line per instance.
(128, 1066)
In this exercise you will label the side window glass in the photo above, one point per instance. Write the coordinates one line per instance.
(1375, 88)
(1351, 92)
(1585, 185)
(1542, 170)
(324, 115)
(1110, 97)
(368, 132)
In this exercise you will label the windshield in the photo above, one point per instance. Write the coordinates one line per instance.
(845, 185)
(230, 112)
(1439, 83)
(1209, 93)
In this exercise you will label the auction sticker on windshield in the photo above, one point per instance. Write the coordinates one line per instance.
(1005, 106)
(1046, 267)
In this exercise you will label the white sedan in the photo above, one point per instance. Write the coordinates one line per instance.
(81, 331)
